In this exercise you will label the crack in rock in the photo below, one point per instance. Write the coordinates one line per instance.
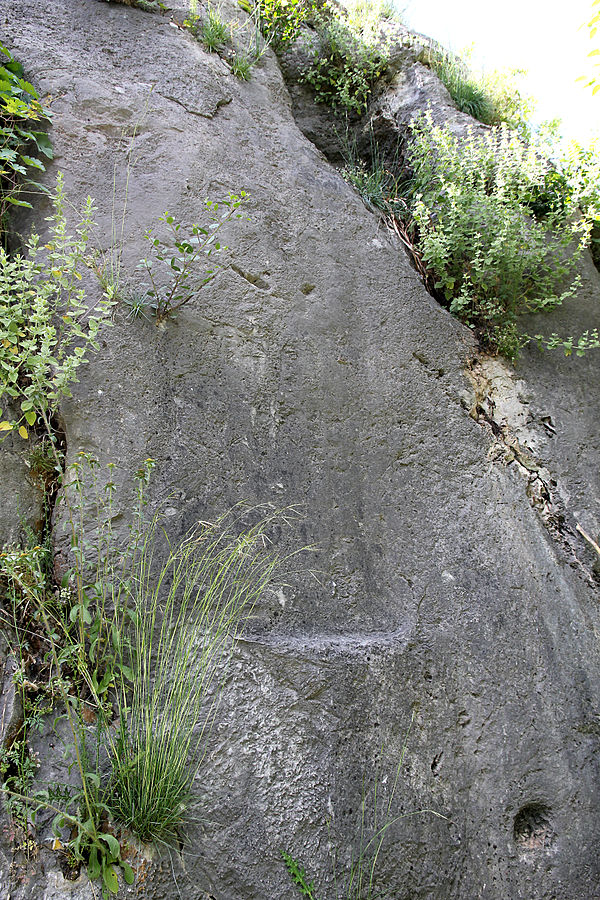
(497, 403)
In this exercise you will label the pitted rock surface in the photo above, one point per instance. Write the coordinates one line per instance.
(315, 369)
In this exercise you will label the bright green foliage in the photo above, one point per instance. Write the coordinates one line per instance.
(345, 64)
(593, 24)
(491, 258)
(365, 17)
(47, 328)
(491, 98)
(279, 21)
(511, 105)
(589, 340)
(299, 876)
(21, 140)
(181, 265)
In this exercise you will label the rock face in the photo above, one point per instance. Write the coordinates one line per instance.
(315, 369)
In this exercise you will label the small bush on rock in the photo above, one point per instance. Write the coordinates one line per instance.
(345, 64)
(21, 140)
(279, 21)
(47, 327)
(179, 265)
(492, 258)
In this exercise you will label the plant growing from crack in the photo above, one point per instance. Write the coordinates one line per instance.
(21, 140)
(47, 327)
(181, 262)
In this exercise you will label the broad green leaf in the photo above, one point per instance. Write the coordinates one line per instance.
(114, 846)
(94, 869)
(32, 161)
(43, 143)
(109, 877)
(128, 873)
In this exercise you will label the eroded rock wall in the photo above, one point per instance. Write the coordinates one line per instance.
(315, 369)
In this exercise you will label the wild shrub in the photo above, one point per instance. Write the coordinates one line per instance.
(345, 64)
(47, 327)
(22, 141)
(279, 21)
(491, 257)
(577, 177)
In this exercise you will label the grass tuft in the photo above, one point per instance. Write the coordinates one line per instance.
(180, 647)
(241, 66)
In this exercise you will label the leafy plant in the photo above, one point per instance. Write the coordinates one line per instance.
(47, 329)
(576, 180)
(345, 65)
(491, 259)
(83, 622)
(183, 256)
(279, 21)
(21, 139)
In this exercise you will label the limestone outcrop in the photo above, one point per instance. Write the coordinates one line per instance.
(316, 369)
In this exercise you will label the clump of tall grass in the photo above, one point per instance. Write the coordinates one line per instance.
(492, 97)
(188, 613)
(377, 179)
(465, 89)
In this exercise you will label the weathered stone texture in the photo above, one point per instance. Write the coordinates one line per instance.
(316, 369)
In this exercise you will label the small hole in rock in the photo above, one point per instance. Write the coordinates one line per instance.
(533, 828)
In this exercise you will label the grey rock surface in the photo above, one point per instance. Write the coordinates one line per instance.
(316, 369)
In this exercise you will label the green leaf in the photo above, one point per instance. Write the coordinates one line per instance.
(114, 846)
(127, 672)
(43, 143)
(16, 202)
(109, 877)
(31, 417)
(32, 161)
(94, 870)
(128, 873)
